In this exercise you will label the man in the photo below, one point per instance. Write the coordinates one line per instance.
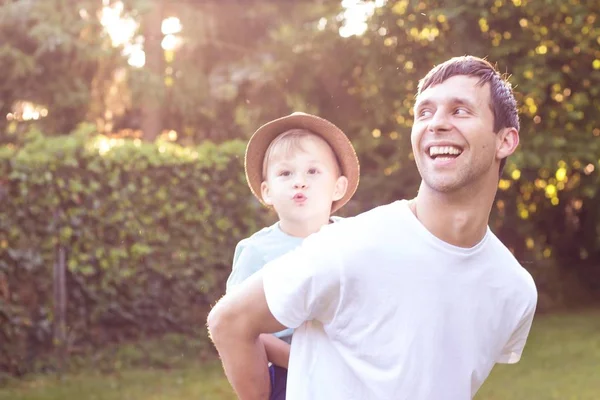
(412, 300)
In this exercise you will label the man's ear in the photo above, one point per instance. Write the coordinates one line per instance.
(507, 141)
(264, 192)
(341, 186)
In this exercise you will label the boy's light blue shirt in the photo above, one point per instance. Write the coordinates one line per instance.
(251, 255)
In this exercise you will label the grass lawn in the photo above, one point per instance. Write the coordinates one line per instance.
(561, 361)
(190, 383)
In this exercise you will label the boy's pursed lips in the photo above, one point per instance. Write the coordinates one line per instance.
(299, 197)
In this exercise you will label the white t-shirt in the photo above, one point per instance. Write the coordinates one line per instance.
(251, 255)
(385, 310)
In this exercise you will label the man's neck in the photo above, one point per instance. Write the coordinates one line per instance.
(460, 219)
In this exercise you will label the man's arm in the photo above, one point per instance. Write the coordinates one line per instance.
(513, 349)
(302, 285)
(246, 262)
(235, 324)
(278, 351)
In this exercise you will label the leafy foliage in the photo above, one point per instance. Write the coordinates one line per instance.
(126, 217)
(548, 203)
(147, 228)
(53, 54)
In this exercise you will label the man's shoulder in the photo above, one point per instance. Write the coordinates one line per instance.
(513, 269)
(373, 217)
(361, 232)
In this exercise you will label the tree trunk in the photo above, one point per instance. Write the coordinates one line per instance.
(60, 307)
(151, 110)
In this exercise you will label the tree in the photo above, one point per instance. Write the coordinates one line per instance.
(151, 106)
(548, 204)
(50, 53)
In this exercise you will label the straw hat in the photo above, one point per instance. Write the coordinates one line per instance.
(262, 138)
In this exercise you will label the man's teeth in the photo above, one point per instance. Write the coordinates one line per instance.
(444, 150)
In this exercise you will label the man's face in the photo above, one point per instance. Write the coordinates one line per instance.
(302, 185)
(452, 136)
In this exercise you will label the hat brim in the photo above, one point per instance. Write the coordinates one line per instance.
(339, 142)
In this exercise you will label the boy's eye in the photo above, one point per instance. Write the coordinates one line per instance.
(312, 171)
(284, 173)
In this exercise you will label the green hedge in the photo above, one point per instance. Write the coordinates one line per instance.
(148, 232)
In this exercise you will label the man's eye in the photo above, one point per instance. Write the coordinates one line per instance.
(461, 111)
(425, 113)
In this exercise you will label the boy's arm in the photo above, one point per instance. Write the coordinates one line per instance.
(278, 351)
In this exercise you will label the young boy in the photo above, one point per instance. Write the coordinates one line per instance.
(305, 168)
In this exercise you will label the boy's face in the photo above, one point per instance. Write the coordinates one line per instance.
(302, 184)
(453, 136)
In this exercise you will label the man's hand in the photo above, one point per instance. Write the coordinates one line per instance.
(235, 324)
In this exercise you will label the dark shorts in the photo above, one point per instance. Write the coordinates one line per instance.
(278, 382)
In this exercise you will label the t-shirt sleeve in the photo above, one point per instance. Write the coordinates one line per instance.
(305, 284)
(246, 261)
(511, 354)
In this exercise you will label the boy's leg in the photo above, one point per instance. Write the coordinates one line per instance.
(278, 382)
